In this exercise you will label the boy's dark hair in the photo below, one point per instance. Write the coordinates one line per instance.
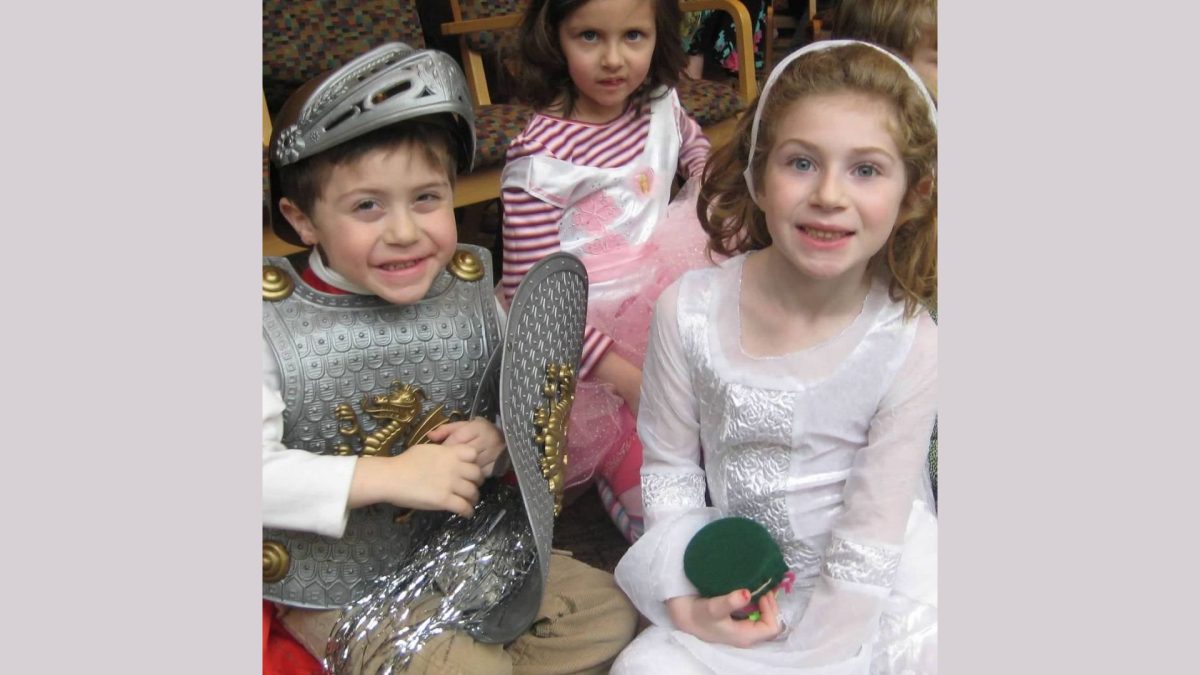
(542, 72)
(303, 181)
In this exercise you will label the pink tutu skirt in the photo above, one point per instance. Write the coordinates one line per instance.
(623, 285)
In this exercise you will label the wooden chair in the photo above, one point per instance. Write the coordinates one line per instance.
(480, 25)
(815, 28)
(713, 104)
(775, 25)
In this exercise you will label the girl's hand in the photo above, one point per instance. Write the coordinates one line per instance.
(711, 620)
(478, 433)
(426, 477)
(623, 376)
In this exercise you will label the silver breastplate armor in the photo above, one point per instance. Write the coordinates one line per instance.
(362, 376)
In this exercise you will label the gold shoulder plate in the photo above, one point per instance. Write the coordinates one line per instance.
(276, 561)
(466, 266)
(277, 285)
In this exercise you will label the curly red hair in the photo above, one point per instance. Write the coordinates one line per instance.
(734, 222)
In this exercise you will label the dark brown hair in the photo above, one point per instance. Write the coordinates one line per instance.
(734, 222)
(542, 76)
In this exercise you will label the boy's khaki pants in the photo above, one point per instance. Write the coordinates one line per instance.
(583, 623)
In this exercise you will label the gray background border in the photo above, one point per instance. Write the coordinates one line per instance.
(1068, 171)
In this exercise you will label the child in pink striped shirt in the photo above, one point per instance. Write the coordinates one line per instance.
(591, 174)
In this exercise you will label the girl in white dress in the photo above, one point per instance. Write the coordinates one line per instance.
(796, 383)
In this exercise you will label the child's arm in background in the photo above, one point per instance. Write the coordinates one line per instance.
(530, 233)
(623, 376)
(694, 147)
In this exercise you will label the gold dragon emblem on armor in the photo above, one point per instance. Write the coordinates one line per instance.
(398, 414)
(550, 422)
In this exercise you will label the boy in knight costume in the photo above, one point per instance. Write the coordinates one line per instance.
(385, 359)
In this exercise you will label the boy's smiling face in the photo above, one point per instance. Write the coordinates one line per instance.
(384, 221)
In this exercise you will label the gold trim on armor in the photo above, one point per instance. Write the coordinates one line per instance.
(432, 420)
(398, 415)
(550, 422)
(277, 285)
(466, 266)
(276, 562)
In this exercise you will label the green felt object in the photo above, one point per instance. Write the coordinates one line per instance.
(733, 553)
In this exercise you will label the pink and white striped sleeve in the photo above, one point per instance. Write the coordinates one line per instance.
(530, 233)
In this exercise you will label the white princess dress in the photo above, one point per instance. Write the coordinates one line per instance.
(826, 448)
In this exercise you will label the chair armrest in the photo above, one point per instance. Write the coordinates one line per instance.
(464, 26)
(266, 122)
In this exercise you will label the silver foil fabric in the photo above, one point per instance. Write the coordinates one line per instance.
(471, 565)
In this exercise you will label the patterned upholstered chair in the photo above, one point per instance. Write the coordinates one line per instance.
(496, 123)
(487, 28)
(304, 38)
(493, 46)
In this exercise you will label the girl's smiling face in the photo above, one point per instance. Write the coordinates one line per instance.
(608, 45)
(834, 183)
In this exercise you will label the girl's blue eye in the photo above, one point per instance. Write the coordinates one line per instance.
(588, 35)
(801, 164)
(866, 171)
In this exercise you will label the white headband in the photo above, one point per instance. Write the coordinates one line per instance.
(814, 47)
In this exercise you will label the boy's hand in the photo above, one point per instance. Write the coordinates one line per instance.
(426, 477)
(711, 620)
(478, 433)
